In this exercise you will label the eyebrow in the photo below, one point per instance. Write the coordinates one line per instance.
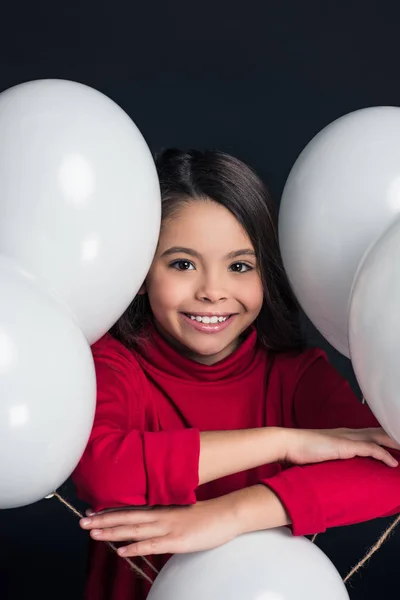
(191, 252)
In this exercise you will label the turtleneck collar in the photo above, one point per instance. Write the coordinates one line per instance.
(156, 353)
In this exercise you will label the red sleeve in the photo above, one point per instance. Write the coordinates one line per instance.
(333, 493)
(124, 464)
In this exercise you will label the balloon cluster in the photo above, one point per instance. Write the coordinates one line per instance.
(339, 230)
(79, 223)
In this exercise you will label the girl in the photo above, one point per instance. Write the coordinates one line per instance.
(209, 405)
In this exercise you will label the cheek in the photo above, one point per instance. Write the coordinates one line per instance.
(165, 290)
(252, 295)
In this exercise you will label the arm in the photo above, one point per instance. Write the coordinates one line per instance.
(117, 465)
(226, 452)
(256, 508)
(333, 493)
(310, 498)
(124, 464)
(194, 528)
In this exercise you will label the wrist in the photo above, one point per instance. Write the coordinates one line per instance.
(282, 439)
(256, 508)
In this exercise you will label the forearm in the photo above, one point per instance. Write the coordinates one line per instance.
(333, 494)
(164, 468)
(223, 453)
(257, 508)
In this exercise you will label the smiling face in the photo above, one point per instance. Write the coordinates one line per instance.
(204, 285)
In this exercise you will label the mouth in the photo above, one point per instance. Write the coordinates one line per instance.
(208, 323)
(209, 318)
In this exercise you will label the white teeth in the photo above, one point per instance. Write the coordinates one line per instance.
(206, 320)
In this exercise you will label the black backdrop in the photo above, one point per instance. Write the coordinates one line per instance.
(257, 79)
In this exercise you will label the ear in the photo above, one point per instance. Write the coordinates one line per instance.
(142, 291)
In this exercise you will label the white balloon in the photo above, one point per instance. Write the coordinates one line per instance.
(267, 565)
(47, 390)
(341, 194)
(374, 329)
(79, 197)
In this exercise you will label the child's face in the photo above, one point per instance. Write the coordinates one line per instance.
(204, 286)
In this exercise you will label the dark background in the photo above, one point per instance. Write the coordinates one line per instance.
(256, 78)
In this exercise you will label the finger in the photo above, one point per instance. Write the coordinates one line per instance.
(160, 545)
(90, 512)
(376, 452)
(383, 439)
(128, 533)
(364, 431)
(376, 435)
(116, 519)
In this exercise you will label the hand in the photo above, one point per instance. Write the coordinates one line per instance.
(313, 446)
(167, 530)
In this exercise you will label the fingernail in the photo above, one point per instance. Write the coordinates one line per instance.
(96, 532)
(86, 522)
(121, 551)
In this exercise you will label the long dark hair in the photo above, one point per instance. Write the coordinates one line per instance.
(214, 175)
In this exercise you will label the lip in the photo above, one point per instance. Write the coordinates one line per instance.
(210, 314)
(209, 327)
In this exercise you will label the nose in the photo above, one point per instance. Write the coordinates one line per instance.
(211, 290)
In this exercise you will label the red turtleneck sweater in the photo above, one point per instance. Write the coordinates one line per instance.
(144, 446)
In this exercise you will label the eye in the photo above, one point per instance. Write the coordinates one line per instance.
(240, 267)
(182, 265)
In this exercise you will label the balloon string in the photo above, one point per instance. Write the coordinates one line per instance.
(132, 565)
(371, 551)
(374, 548)
(378, 544)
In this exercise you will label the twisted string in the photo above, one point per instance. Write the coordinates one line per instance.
(378, 544)
(373, 549)
(132, 565)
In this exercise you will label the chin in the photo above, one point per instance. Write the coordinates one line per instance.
(207, 350)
